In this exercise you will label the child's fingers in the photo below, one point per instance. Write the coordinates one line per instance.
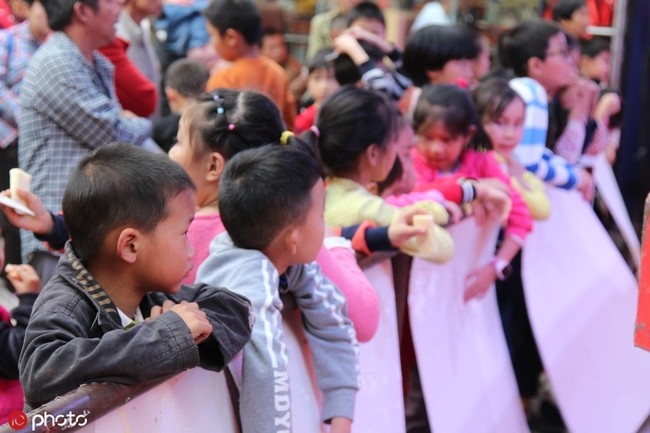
(155, 312)
(167, 305)
(407, 216)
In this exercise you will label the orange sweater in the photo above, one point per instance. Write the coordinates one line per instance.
(260, 74)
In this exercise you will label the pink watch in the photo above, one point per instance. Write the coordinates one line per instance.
(502, 268)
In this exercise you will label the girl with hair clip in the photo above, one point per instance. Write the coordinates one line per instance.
(502, 111)
(211, 131)
(451, 141)
(358, 144)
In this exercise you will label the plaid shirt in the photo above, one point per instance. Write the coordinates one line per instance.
(69, 108)
(17, 46)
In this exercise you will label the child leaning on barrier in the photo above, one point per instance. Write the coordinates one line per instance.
(115, 309)
(27, 285)
(271, 203)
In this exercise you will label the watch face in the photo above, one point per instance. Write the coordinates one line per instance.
(507, 271)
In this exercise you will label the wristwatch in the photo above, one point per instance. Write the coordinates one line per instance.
(502, 268)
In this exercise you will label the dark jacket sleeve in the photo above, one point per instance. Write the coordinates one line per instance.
(11, 337)
(231, 318)
(65, 346)
(59, 235)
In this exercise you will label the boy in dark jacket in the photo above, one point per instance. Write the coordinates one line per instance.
(127, 211)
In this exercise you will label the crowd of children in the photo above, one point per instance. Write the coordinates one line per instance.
(191, 256)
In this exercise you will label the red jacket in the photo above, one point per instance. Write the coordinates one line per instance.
(135, 92)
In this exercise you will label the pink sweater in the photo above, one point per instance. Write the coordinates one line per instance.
(337, 264)
(201, 232)
(480, 165)
(403, 200)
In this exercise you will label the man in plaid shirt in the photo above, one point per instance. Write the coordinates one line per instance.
(69, 107)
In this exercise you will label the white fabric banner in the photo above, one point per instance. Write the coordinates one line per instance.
(380, 405)
(581, 299)
(306, 399)
(465, 368)
(194, 401)
(611, 195)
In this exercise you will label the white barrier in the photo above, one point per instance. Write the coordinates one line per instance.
(581, 299)
(379, 405)
(306, 399)
(465, 369)
(611, 195)
(193, 401)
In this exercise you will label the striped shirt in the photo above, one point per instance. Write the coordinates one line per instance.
(532, 151)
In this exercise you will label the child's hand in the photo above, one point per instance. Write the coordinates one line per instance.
(346, 43)
(586, 187)
(41, 223)
(194, 318)
(24, 279)
(493, 198)
(454, 211)
(478, 282)
(341, 425)
(401, 230)
(608, 105)
(362, 34)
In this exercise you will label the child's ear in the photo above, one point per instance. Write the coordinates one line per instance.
(291, 238)
(534, 67)
(216, 164)
(172, 94)
(231, 37)
(433, 76)
(127, 244)
(373, 153)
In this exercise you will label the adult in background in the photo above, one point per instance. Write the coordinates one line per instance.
(69, 107)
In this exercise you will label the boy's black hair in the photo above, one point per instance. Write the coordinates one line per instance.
(323, 59)
(59, 12)
(346, 71)
(593, 47)
(349, 121)
(452, 106)
(564, 9)
(229, 121)
(119, 185)
(240, 15)
(365, 9)
(523, 42)
(264, 190)
(429, 48)
(188, 77)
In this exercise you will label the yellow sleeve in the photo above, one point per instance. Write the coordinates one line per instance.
(535, 197)
(347, 205)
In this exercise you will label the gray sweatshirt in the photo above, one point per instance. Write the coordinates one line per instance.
(264, 398)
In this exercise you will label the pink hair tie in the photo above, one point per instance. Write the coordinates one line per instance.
(231, 127)
(315, 130)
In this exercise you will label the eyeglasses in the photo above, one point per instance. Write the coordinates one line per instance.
(564, 52)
